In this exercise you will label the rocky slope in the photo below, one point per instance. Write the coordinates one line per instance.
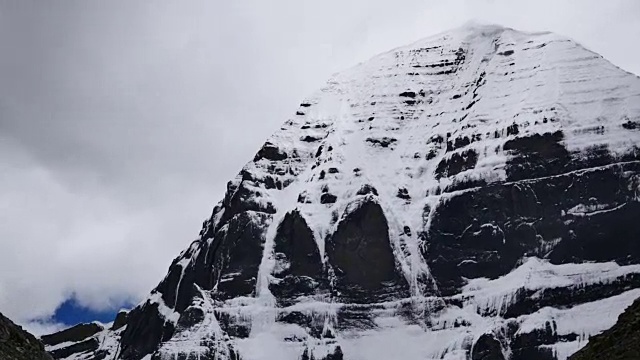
(473, 195)
(621, 342)
(18, 344)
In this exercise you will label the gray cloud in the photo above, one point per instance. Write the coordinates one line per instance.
(122, 121)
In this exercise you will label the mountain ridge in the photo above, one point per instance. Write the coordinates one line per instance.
(18, 344)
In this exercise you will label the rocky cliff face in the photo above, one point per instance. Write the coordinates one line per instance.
(474, 195)
(18, 344)
(621, 342)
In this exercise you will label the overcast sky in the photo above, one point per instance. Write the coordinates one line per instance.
(122, 121)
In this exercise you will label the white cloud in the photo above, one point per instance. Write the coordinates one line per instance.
(39, 328)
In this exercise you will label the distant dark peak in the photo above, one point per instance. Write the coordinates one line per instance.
(74, 333)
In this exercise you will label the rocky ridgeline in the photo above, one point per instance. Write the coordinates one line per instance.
(18, 344)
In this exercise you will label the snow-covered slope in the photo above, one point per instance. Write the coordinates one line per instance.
(473, 195)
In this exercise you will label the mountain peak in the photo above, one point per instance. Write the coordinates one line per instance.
(469, 194)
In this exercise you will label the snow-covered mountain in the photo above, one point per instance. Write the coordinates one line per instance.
(474, 195)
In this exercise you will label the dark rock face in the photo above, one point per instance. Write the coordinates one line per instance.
(335, 355)
(457, 163)
(17, 344)
(145, 330)
(237, 329)
(120, 320)
(83, 341)
(487, 348)
(533, 345)
(237, 258)
(621, 342)
(312, 324)
(299, 268)
(631, 125)
(527, 302)
(270, 151)
(382, 142)
(483, 232)
(536, 156)
(231, 262)
(75, 333)
(245, 197)
(361, 256)
(367, 189)
(327, 198)
(190, 316)
(403, 194)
